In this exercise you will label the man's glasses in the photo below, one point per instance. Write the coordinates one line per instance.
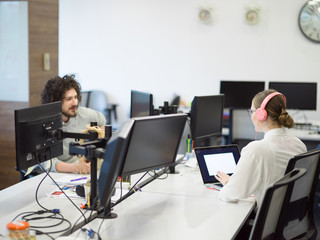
(250, 111)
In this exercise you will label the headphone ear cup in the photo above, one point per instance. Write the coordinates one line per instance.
(261, 114)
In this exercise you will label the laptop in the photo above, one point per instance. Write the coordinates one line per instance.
(213, 158)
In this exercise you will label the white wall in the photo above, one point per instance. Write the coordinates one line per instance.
(161, 47)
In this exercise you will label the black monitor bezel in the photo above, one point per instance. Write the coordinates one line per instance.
(158, 166)
(32, 125)
(114, 157)
(195, 118)
(294, 100)
(248, 89)
(149, 101)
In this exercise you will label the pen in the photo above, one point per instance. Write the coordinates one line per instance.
(77, 179)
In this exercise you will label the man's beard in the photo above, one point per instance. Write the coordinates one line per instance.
(70, 114)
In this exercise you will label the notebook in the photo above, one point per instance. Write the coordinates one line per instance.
(214, 158)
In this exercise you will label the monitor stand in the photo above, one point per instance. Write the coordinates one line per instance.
(172, 169)
(93, 150)
(106, 212)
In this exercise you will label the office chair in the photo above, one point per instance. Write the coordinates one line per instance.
(23, 175)
(97, 100)
(300, 223)
(85, 95)
(270, 218)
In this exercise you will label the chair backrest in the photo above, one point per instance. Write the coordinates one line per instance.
(94, 99)
(97, 100)
(85, 96)
(300, 220)
(269, 221)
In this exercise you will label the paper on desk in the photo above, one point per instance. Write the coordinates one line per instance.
(192, 163)
(70, 191)
(72, 179)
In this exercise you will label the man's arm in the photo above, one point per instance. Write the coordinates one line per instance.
(81, 167)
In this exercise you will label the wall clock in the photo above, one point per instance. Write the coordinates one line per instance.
(252, 14)
(205, 15)
(309, 20)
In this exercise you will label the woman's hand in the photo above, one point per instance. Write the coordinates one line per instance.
(222, 177)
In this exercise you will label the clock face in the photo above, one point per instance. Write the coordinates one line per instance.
(309, 20)
(205, 16)
(252, 17)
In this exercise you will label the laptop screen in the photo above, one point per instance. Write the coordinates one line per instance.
(214, 158)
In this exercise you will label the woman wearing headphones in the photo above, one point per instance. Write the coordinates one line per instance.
(264, 161)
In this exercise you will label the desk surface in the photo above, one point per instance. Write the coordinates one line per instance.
(303, 134)
(20, 198)
(178, 207)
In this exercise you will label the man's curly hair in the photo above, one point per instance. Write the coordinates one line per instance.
(56, 87)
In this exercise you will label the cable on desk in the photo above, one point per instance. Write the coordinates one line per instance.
(91, 233)
(132, 190)
(53, 211)
(157, 176)
(27, 216)
(95, 201)
(105, 213)
(56, 216)
(27, 219)
(43, 233)
(47, 174)
(72, 229)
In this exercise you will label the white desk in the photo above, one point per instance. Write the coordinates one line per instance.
(20, 198)
(188, 182)
(179, 207)
(303, 134)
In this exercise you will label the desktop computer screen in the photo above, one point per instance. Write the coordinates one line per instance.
(154, 143)
(141, 104)
(35, 129)
(113, 161)
(206, 118)
(239, 94)
(299, 95)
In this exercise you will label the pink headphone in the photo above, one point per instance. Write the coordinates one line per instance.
(261, 112)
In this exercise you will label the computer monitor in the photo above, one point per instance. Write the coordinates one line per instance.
(239, 94)
(113, 161)
(154, 143)
(34, 133)
(206, 119)
(299, 95)
(141, 104)
(175, 101)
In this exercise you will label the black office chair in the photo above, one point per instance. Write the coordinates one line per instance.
(97, 100)
(270, 218)
(300, 223)
(23, 175)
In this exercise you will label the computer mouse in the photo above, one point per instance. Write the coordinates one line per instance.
(80, 190)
